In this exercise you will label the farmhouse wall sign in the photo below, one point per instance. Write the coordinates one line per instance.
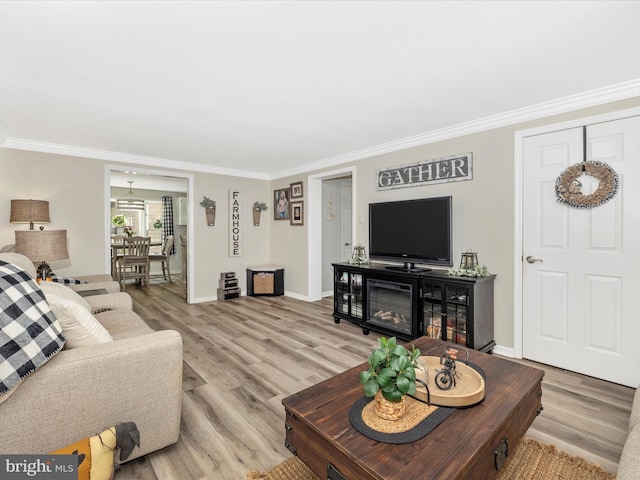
(454, 168)
(235, 244)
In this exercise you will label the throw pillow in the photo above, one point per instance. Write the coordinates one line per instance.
(96, 454)
(80, 328)
(65, 292)
(30, 334)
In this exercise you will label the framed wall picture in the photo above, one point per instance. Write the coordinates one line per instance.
(297, 213)
(296, 190)
(281, 199)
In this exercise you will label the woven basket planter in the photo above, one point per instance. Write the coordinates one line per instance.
(389, 410)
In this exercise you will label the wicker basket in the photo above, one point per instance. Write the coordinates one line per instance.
(389, 410)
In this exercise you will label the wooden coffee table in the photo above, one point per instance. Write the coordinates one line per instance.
(471, 444)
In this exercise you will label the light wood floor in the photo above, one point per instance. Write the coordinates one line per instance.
(243, 356)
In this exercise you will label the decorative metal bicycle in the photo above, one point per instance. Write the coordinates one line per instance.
(446, 377)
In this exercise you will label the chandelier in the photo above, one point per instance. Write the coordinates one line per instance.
(129, 202)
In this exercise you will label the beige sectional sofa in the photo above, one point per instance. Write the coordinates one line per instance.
(136, 377)
(629, 466)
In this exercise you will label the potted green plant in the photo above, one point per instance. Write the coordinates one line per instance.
(118, 221)
(391, 375)
(258, 207)
(210, 210)
(157, 224)
(129, 231)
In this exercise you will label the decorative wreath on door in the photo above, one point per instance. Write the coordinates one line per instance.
(568, 186)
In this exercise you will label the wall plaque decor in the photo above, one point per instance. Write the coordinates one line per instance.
(454, 168)
(235, 226)
(281, 204)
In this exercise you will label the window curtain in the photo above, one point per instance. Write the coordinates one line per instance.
(167, 220)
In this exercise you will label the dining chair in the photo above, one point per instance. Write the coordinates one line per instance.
(164, 257)
(134, 261)
(117, 243)
(183, 246)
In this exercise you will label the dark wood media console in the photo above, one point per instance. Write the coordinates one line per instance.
(411, 304)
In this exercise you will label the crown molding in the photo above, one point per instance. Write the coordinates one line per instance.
(612, 93)
(70, 150)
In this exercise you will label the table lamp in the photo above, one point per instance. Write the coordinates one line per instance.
(42, 246)
(29, 211)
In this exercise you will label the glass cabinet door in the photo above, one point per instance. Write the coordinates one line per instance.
(348, 294)
(445, 310)
(356, 295)
(432, 310)
(457, 312)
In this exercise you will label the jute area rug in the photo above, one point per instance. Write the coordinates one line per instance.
(531, 460)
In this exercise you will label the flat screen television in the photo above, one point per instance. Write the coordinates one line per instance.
(411, 231)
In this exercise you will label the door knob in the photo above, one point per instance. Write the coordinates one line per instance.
(346, 244)
(531, 259)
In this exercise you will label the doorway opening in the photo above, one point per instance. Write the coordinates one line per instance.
(156, 181)
(320, 212)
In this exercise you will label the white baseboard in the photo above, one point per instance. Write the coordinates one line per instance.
(297, 296)
(504, 351)
(205, 299)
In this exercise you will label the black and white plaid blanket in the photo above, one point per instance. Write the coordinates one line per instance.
(65, 280)
(30, 334)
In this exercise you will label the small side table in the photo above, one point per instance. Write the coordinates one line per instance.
(265, 280)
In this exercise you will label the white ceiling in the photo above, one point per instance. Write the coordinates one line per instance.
(268, 88)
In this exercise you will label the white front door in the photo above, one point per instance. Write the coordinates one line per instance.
(580, 294)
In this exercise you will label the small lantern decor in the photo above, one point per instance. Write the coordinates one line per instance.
(468, 260)
(469, 266)
(359, 256)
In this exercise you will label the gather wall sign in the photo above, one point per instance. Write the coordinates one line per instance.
(454, 168)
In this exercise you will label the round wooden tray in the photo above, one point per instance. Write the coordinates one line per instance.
(468, 390)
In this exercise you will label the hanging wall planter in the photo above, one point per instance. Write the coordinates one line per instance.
(258, 207)
(210, 210)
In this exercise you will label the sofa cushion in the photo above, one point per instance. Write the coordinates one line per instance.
(20, 261)
(78, 325)
(30, 334)
(123, 324)
(65, 292)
